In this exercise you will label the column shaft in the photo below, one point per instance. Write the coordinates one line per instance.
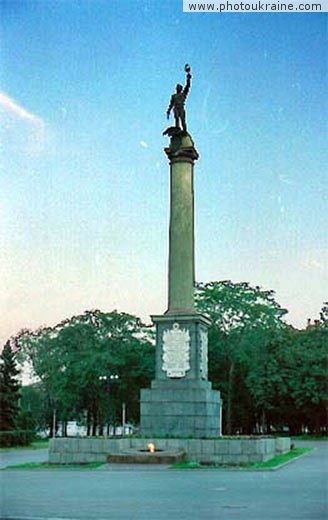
(181, 237)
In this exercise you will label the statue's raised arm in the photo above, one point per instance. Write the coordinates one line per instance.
(177, 102)
(187, 85)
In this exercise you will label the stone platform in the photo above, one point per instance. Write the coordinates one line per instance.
(224, 450)
(133, 456)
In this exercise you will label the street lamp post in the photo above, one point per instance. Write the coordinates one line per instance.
(107, 380)
(54, 423)
(123, 418)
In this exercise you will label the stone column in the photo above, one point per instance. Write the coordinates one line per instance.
(181, 401)
(181, 274)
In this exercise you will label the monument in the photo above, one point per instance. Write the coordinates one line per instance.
(181, 401)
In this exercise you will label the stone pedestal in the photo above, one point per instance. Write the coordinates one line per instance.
(181, 401)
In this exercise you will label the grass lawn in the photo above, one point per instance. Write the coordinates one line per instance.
(274, 463)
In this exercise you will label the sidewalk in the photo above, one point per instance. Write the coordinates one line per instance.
(22, 456)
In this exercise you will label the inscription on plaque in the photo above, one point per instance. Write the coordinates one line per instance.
(176, 351)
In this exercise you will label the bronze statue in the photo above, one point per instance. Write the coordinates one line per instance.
(178, 101)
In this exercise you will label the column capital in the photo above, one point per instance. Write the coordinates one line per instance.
(181, 147)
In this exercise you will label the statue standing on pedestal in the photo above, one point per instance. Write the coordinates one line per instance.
(177, 102)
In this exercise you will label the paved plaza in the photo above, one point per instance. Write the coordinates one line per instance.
(297, 491)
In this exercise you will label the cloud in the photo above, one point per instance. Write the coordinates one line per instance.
(313, 264)
(22, 130)
(144, 144)
(316, 260)
(11, 106)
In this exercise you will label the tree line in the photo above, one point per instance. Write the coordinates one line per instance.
(271, 375)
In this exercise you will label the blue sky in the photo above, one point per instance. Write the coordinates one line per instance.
(84, 180)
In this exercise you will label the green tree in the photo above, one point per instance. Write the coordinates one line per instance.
(35, 405)
(267, 380)
(306, 367)
(9, 389)
(75, 360)
(41, 351)
(323, 322)
(244, 319)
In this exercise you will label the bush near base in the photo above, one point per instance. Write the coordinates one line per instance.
(13, 438)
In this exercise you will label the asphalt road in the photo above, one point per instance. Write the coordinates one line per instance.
(12, 457)
(297, 491)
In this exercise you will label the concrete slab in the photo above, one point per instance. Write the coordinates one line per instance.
(133, 456)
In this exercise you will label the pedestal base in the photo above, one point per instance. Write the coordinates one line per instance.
(181, 402)
(188, 411)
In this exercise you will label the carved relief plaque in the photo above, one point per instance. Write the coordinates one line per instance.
(204, 354)
(176, 351)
